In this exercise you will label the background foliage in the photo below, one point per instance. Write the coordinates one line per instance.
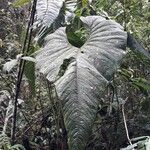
(39, 118)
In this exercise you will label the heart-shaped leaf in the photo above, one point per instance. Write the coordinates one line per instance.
(86, 73)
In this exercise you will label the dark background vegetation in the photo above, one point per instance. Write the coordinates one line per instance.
(38, 119)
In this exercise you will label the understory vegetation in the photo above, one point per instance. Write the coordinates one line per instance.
(74, 74)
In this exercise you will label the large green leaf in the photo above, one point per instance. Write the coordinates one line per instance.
(87, 72)
(49, 14)
(70, 8)
(47, 11)
(134, 45)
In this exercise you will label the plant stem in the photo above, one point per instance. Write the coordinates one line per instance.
(125, 124)
(21, 68)
(125, 14)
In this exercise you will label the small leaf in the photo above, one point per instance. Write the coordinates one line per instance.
(20, 3)
(74, 38)
(8, 66)
(143, 143)
(17, 147)
(84, 3)
(142, 83)
(30, 75)
(27, 58)
(147, 144)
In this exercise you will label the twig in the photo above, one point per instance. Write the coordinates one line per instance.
(42, 108)
(51, 98)
(64, 132)
(21, 69)
(124, 14)
(125, 123)
(7, 116)
(58, 114)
